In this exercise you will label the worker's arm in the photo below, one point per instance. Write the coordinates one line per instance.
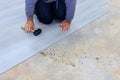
(29, 8)
(70, 11)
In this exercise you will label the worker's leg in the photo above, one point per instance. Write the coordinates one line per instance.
(60, 10)
(44, 12)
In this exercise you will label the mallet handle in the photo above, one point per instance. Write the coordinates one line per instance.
(30, 30)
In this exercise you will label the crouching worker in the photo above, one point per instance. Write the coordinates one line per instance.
(49, 10)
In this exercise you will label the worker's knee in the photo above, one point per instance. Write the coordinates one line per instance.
(45, 20)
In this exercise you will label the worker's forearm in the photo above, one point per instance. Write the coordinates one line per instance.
(29, 7)
(70, 9)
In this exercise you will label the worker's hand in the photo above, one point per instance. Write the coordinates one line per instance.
(65, 25)
(29, 26)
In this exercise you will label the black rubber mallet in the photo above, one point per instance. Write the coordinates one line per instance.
(35, 32)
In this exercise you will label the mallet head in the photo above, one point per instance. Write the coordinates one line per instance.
(37, 32)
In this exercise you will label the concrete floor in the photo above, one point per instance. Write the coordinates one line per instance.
(92, 53)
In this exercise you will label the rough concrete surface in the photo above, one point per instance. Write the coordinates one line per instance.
(92, 53)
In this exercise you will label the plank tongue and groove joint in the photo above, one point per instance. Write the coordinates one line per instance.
(18, 46)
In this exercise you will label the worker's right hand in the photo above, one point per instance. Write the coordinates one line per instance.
(29, 26)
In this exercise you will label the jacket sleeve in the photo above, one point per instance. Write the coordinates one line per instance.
(29, 8)
(70, 9)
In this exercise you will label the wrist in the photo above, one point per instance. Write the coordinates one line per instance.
(67, 21)
(30, 22)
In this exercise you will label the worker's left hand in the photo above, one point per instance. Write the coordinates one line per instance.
(65, 26)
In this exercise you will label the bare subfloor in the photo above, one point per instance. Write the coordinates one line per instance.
(92, 53)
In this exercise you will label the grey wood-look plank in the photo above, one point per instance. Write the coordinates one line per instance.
(24, 46)
(17, 46)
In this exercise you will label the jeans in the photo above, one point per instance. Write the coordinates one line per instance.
(46, 12)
